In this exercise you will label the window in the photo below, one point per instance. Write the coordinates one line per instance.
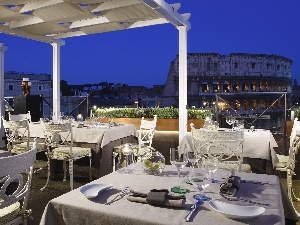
(226, 86)
(245, 87)
(215, 66)
(278, 67)
(253, 65)
(235, 65)
(10, 87)
(236, 87)
(40, 87)
(268, 66)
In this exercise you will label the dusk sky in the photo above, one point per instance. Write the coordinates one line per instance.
(142, 56)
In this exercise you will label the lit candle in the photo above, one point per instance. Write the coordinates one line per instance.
(79, 118)
(126, 149)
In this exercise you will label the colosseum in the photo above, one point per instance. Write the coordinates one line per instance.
(256, 87)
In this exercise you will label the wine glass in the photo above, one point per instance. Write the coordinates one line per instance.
(210, 165)
(230, 120)
(193, 159)
(178, 160)
(199, 184)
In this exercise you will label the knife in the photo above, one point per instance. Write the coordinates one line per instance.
(193, 209)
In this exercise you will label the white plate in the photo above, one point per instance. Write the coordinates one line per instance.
(234, 211)
(92, 190)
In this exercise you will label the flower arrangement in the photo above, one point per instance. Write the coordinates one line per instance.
(162, 113)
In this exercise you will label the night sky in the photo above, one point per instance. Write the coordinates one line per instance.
(142, 56)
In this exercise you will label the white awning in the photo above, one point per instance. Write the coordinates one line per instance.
(50, 20)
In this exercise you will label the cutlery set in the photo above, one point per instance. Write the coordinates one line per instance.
(232, 198)
(118, 197)
(200, 200)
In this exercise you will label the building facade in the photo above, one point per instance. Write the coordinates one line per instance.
(40, 85)
(248, 84)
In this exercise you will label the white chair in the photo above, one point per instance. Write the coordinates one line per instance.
(59, 139)
(17, 117)
(226, 145)
(287, 163)
(146, 133)
(145, 136)
(13, 206)
(17, 133)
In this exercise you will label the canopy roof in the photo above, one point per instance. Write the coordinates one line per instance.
(51, 20)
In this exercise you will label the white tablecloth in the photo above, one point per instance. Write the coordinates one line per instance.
(94, 135)
(4, 153)
(74, 208)
(259, 144)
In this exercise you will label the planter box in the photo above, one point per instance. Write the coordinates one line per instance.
(162, 124)
(289, 125)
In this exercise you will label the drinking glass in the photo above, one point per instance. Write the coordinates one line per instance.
(193, 159)
(126, 151)
(61, 116)
(230, 120)
(178, 160)
(210, 165)
(241, 124)
(199, 184)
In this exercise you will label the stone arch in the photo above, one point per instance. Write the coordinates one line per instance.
(262, 104)
(226, 86)
(216, 86)
(237, 105)
(245, 87)
(235, 86)
(246, 105)
(205, 86)
(253, 86)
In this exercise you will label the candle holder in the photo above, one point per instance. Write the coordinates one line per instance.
(126, 150)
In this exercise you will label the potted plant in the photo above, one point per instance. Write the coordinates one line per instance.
(167, 116)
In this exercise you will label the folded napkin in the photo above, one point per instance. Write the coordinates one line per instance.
(230, 185)
(157, 197)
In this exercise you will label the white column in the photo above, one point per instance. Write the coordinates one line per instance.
(182, 81)
(56, 79)
(2, 107)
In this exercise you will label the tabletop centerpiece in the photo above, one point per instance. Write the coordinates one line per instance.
(153, 162)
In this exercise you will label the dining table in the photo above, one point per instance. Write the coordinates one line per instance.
(78, 207)
(258, 149)
(101, 138)
(4, 153)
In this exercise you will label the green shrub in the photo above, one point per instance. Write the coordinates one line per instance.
(163, 113)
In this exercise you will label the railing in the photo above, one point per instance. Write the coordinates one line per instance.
(70, 107)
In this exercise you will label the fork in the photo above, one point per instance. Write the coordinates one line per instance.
(118, 197)
(232, 198)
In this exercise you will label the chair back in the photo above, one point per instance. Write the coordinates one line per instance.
(17, 117)
(294, 144)
(58, 134)
(146, 131)
(295, 128)
(226, 145)
(16, 132)
(12, 170)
